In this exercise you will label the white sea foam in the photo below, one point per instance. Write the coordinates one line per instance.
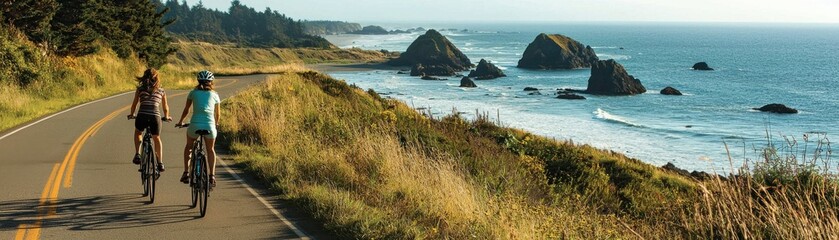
(604, 115)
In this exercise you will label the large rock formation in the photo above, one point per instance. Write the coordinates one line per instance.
(703, 66)
(610, 78)
(432, 70)
(777, 108)
(434, 52)
(467, 82)
(372, 30)
(556, 51)
(486, 71)
(670, 91)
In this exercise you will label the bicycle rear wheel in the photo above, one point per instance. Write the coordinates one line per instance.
(151, 179)
(204, 191)
(193, 180)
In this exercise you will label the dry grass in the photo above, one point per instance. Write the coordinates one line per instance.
(372, 168)
(231, 60)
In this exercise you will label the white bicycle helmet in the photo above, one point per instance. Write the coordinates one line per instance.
(206, 76)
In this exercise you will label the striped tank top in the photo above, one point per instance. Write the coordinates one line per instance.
(150, 102)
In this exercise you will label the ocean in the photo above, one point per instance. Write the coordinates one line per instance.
(755, 64)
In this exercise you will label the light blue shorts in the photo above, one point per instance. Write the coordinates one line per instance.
(190, 131)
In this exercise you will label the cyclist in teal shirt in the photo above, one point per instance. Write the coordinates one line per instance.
(205, 114)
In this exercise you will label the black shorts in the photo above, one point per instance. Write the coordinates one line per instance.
(152, 122)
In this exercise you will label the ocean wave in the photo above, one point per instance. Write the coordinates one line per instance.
(608, 47)
(606, 116)
(613, 56)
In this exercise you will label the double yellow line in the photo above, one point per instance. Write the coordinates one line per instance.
(64, 171)
(49, 197)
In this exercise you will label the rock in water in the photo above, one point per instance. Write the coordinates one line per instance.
(670, 91)
(527, 89)
(433, 51)
(432, 70)
(426, 77)
(777, 108)
(467, 82)
(702, 66)
(556, 51)
(610, 78)
(486, 71)
(570, 96)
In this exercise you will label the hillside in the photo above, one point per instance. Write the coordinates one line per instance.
(231, 60)
(240, 24)
(329, 27)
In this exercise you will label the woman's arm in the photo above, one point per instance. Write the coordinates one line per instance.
(217, 113)
(134, 103)
(166, 108)
(186, 111)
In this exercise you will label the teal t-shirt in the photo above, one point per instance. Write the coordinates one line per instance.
(203, 107)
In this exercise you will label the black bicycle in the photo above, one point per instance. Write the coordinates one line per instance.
(148, 163)
(199, 172)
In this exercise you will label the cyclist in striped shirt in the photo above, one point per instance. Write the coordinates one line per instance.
(151, 98)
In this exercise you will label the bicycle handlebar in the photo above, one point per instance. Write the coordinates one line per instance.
(165, 119)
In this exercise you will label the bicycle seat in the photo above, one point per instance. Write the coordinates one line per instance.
(202, 132)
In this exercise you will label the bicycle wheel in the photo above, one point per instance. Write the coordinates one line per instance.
(193, 180)
(204, 192)
(151, 179)
(144, 171)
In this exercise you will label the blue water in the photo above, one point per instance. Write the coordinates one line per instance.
(796, 65)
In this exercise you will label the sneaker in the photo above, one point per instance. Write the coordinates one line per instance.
(136, 160)
(160, 167)
(212, 181)
(185, 177)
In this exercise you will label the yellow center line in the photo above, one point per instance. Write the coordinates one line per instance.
(49, 196)
(34, 230)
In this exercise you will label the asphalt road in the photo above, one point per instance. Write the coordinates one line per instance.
(70, 176)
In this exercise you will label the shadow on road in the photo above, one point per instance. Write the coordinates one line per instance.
(92, 213)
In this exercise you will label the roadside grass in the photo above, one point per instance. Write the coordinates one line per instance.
(370, 167)
(33, 84)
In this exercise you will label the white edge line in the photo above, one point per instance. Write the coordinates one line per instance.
(294, 228)
(56, 114)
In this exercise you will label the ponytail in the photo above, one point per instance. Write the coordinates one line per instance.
(204, 85)
(150, 81)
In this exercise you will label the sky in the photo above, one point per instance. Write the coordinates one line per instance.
(372, 11)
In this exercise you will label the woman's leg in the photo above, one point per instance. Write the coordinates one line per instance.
(158, 146)
(211, 154)
(138, 136)
(188, 151)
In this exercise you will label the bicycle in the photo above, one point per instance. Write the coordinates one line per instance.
(148, 163)
(199, 177)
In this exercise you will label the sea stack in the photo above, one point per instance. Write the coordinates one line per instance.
(467, 82)
(670, 91)
(557, 51)
(610, 78)
(486, 71)
(702, 66)
(435, 54)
